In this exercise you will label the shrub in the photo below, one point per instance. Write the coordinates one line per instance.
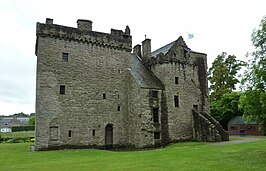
(22, 128)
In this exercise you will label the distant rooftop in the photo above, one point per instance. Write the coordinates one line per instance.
(237, 120)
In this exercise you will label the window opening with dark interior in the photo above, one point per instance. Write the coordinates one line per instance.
(62, 89)
(118, 108)
(69, 133)
(154, 94)
(65, 57)
(93, 132)
(104, 95)
(176, 80)
(155, 112)
(156, 135)
(176, 101)
(196, 107)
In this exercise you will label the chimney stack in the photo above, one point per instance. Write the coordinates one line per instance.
(49, 21)
(146, 49)
(84, 25)
(137, 50)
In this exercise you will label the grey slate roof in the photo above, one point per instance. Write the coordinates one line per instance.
(144, 77)
(163, 49)
(237, 120)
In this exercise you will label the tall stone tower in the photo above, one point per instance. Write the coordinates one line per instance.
(80, 85)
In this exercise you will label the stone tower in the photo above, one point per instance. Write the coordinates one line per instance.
(91, 91)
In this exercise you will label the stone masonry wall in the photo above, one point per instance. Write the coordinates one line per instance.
(179, 118)
(86, 77)
(140, 118)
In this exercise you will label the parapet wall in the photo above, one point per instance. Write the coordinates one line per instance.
(122, 41)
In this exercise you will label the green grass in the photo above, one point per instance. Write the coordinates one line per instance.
(21, 134)
(180, 156)
(234, 138)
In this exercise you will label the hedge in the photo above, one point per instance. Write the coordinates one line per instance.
(22, 128)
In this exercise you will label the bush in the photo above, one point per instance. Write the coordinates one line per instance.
(23, 128)
(19, 140)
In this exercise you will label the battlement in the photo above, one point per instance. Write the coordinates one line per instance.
(83, 33)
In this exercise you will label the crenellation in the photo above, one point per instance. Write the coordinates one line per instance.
(115, 40)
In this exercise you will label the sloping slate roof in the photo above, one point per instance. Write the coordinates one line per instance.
(144, 77)
(236, 120)
(163, 49)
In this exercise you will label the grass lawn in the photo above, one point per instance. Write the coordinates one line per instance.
(20, 134)
(180, 156)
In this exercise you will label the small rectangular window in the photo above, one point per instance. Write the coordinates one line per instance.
(156, 135)
(93, 132)
(118, 108)
(176, 80)
(155, 113)
(65, 57)
(154, 94)
(69, 133)
(232, 128)
(104, 95)
(176, 101)
(195, 107)
(62, 89)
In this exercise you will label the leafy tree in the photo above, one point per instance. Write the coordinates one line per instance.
(226, 107)
(32, 120)
(253, 101)
(32, 114)
(21, 114)
(223, 75)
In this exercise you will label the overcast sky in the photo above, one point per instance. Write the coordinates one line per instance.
(218, 26)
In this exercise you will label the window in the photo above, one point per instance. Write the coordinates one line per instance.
(93, 132)
(176, 101)
(104, 95)
(62, 89)
(176, 80)
(195, 107)
(233, 128)
(156, 135)
(69, 133)
(154, 94)
(155, 113)
(174, 55)
(65, 57)
(118, 108)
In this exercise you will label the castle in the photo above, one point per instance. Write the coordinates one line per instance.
(92, 91)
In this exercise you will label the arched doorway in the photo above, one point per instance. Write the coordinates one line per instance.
(109, 135)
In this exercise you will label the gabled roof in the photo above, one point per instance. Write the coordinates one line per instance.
(163, 49)
(237, 120)
(144, 77)
(167, 47)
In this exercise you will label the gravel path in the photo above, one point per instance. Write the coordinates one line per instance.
(243, 140)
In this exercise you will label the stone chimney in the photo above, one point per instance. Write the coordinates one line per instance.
(146, 49)
(84, 25)
(137, 50)
(49, 21)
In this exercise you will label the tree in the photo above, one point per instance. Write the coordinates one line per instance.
(32, 120)
(223, 75)
(226, 107)
(253, 101)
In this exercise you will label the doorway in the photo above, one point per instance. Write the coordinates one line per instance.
(109, 135)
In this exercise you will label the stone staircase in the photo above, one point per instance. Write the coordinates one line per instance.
(206, 128)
